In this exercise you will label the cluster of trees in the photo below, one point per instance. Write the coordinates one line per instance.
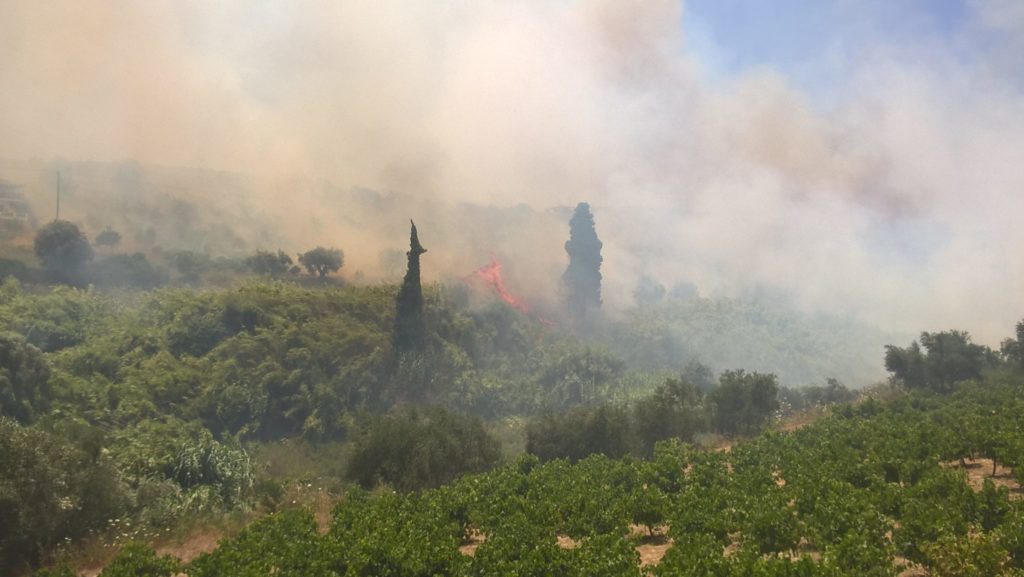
(67, 257)
(942, 360)
(833, 392)
(318, 262)
(740, 404)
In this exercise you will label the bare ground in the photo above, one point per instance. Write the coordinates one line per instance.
(980, 469)
(474, 540)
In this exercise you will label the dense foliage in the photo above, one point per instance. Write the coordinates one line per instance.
(139, 408)
(63, 250)
(867, 491)
(273, 264)
(740, 404)
(416, 448)
(51, 490)
(939, 362)
(320, 260)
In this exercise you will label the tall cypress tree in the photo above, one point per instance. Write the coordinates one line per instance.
(410, 330)
(582, 278)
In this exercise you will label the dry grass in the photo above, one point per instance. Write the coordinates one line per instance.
(801, 419)
(192, 546)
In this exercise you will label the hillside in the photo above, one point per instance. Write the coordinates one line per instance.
(874, 489)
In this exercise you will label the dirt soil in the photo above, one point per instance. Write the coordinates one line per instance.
(476, 538)
(978, 470)
(192, 546)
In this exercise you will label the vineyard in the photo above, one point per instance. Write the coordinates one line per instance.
(897, 488)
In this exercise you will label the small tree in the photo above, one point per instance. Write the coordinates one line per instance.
(321, 261)
(674, 410)
(127, 270)
(24, 378)
(580, 432)
(268, 263)
(744, 402)
(410, 330)
(108, 238)
(582, 278)
(63, 250)
(190, 265)
(1013, 349)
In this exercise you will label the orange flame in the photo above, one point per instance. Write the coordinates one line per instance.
(490, 275)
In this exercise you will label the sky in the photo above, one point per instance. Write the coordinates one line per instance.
(812, 43)
(861, 156)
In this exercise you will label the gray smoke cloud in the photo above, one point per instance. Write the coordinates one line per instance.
(898, 203)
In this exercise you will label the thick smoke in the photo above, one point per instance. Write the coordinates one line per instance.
(897, 203)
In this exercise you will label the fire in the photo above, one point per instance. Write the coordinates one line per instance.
(490, 275)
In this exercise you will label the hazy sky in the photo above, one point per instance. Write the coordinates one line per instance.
(863, 156)
(817, 44)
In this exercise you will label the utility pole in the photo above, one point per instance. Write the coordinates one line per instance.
(58, 197)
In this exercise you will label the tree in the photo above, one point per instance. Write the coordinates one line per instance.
(63, 250)
(417, 448)
(24, 378)
(190, 265)
(268, 263)
(50, 490)
(321, 261)
(109, 237)
(580, 432)
(582, 278)
(674, 410)
(1013, 349)
(699, 374)
(743, 402)
(410, 330)
(132, 270)
(947, 358)
(648, 291)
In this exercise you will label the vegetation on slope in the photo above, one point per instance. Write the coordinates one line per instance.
(868, 491)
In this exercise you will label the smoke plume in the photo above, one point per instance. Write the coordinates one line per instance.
(320, 122)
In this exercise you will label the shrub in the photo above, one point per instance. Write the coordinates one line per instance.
(415, 448)
(138, 560)
(49, 491)
(24, 378)
(580, 432)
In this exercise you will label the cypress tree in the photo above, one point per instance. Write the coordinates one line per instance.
(410, 330)
(582, 278)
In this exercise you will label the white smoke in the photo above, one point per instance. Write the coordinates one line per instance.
(896, 203)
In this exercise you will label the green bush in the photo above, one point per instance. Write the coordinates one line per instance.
(50, 490)
(24, 379)
(138, 560)
(420, 447)
(580, 432)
